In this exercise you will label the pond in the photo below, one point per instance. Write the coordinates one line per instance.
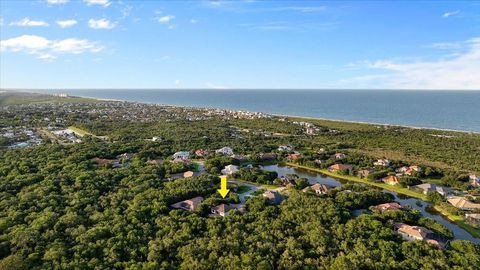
(314, 177)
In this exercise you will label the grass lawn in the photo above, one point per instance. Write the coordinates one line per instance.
(80, 132)
(243, 189)
(395, 188)
(266, 186)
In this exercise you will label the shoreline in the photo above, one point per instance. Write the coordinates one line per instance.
(304, 117)
(282, 115)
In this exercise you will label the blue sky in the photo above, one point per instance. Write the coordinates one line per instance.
(239, 44)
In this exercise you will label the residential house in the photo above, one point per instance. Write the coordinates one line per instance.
(201, 153)
(402, 170)
(104, 161)
(411, 233)
(239, 158)
(318, 188)
(391, 180)
(382, 162)
(285, 148)
(339, 167)
(273, 196)
(463, 204)
(188, 205)
(294, 156)
(267, 156)
(188, 174)
(338, 156)
(427, 187)
(473, 219)
(320, 161)
(385, 207)
(230, 169)
(221, 210)
(474, 180)
(181, 155)
(154, 162)
(364, 173)
(226, 151)
(408, 170)
(125, 156)
(311, 131)
(288, 180)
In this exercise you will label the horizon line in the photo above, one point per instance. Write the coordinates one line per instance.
(229, 89)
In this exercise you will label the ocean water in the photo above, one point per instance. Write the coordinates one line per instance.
(456, 110)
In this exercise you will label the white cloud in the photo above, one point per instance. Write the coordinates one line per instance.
(101, 24)
(193, 21)
(450, 13)
(47, 57)
(47, 49)
(75, 46)
(28, 22)
(25, 42)
(177, 82)
(458, 72)
(104, 3)
(55, 2)
(447, 45)
(66, 23)
(215, 86)
(166, 19)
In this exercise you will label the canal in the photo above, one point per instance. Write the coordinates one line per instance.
(314, 177)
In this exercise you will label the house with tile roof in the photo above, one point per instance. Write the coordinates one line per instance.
(188, 205)
(463, 204)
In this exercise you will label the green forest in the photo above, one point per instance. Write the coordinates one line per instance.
(61, 210)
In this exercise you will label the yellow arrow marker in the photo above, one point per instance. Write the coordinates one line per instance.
(223, 186)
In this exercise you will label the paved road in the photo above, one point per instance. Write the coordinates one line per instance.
(243, 196)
